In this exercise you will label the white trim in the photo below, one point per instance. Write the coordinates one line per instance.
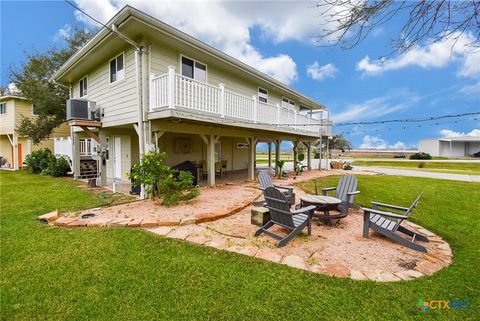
(289, 103)
(258, 94)
(88, 84)
(194, 61)
(124, 69)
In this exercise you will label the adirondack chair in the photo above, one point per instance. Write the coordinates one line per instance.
(282, 215)
(388, 224)
(345, 191)
(266, 181)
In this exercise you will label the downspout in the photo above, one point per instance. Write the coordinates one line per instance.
(141, 139)
(139, 50)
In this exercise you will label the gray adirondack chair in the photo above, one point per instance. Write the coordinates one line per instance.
(389, 224)
(282, 215)
(345, 191)
(266, 181)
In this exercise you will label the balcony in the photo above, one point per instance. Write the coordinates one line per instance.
(171, 91)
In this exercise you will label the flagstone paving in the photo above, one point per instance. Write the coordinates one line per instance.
(338, 250)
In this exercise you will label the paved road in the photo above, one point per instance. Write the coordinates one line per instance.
(399, 172)
(406, 172)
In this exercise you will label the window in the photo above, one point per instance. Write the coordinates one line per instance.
(35, 110)
(262, 95)
(117, 69)
(3, 108)
(287, 103)
(194, 69)
(83, 87)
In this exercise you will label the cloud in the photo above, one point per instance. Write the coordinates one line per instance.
(434, 55)
(377, 107)
(227, 25)
(12, 89)
(375, 142)
(448, 133)
(317, 72)
(63, 33)
(470, 90)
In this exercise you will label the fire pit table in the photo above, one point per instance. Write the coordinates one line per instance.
(324, 205)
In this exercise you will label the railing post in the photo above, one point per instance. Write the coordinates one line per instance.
(152, 92)
(171, 88)
(278, 113)
(221, 100)
(309, 129)
(255, 108)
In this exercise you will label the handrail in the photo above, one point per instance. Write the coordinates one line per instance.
(172, 90)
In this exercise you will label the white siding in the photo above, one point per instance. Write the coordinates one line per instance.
(119, 99)
(163, 56)
(430, 146)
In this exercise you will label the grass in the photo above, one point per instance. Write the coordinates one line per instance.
(51, 273)
(443, 167)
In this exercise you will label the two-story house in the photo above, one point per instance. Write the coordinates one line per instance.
(157, 88)
(13, 147)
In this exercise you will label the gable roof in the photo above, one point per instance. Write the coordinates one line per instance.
(128, 11)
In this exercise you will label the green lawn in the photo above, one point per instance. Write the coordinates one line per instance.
(443, 167)
(50, 273)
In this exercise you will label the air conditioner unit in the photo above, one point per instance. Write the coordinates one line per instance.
(82, 109)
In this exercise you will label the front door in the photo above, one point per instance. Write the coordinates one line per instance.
(117, 158)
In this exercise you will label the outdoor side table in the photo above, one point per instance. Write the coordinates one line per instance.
(324, 204)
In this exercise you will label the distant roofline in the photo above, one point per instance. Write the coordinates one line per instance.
(127, 11)
(7, 97)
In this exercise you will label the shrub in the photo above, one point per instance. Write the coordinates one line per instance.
(347, 167)
(421, 165)
(420, 155)
(57, 167)
(280, 165)
(160, 180)
(38, 161)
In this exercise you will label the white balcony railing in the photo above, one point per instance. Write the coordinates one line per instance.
(62, 146)
(173, 90)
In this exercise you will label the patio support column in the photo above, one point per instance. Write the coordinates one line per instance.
(269, 154)
(210, 141)
(251, 157)
(327, 157)
(295, 155)
(277, 154)
(103, 161)
(309, 155)
(76, 154)
(319, 149)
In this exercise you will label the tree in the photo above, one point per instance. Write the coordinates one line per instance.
(34, 80)
(340, 143)
(348, 22)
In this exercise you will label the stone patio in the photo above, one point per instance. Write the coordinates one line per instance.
(220, 218)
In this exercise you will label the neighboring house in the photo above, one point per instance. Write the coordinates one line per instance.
(14, 148)
(157, 88)
(451, 147)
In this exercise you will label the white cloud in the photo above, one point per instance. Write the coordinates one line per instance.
(317, 72)
(226, 25)
(377, 107)
(435, 55)
(448, 133)
(470, 90)
(12, 89)
(375, 142)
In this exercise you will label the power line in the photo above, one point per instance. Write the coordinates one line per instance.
(104, 25)
(407, 120)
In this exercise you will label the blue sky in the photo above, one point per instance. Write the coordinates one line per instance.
(276, 38)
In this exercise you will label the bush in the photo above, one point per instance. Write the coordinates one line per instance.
(421, 165)
(347, 167)
(57, 167)
(160, 180)
(421, 155)
(38, 161)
